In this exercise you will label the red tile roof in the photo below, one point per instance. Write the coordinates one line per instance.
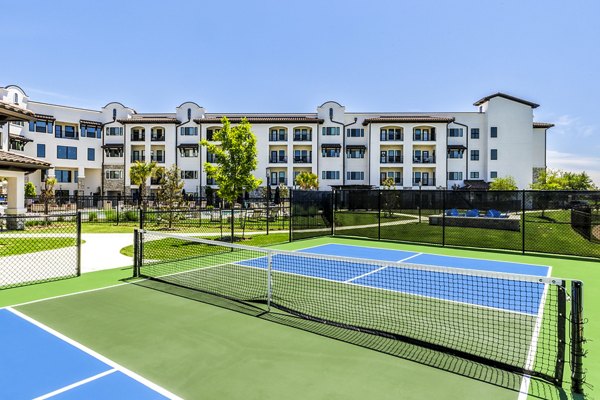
(506, 96)
(19, 162)
(11, 112)
(406, 119)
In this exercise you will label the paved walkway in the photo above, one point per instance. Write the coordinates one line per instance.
(102, 251)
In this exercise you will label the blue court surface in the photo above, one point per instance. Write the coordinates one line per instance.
(485, 291)
(37, 364)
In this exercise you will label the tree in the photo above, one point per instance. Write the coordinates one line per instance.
(388, 184)
(210, 196)
(307, 181)
(235, 158)
(139, 174)
(47, 193)
(170, 191)
(563, 180)
(506, 183)
(30, 190)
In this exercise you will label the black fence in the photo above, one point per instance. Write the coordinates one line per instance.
(39, 248)
(556, 222)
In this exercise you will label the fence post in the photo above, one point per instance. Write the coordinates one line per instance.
(333, 207)
(577, 339)
(290, 216)
(118, 211)
(232, 220)
(78, 222)
(269, 280)
(379, 214)
(444, 192)
(268, 212)
(142, 217)
(523, 222)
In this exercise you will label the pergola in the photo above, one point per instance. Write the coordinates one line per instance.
(14, 166)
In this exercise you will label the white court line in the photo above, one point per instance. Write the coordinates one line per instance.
(363, 275)
(525, 382)
(76, 384)
(408, 258)
(96, 355)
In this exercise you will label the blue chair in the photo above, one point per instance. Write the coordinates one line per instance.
(452, 212)
(493, 213)
(473, 213)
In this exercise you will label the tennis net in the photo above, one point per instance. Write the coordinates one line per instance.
(511, 322)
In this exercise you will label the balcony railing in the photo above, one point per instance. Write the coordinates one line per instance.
(277, 160)
(278, 138)
(426, 182)
(278, 182)
(391, 138)
(138, 138)
(421, 160)
(428, 138)
(302, 138)
(158, 159)
(157, 138)
(391, 160)
(302, 160)
(397, 182)
(155, 181)
(138, 158)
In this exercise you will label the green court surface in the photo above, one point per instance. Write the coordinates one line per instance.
(200, 346)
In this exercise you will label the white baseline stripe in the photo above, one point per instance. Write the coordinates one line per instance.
(96, 355)
(408, 258)
(74, 385)
(363, 275)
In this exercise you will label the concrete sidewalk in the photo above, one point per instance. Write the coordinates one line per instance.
(102, 251)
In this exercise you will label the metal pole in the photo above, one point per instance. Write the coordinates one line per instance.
(269, 280)
(78, 221)
(290, 217)
(333, 207)
(577, 338)
(136, 255)
(379, 215)
(523, 222)
(444, 192)
(420, 197)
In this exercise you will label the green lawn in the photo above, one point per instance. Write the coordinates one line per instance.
(10, 246)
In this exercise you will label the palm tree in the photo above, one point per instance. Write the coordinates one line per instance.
(139, 173)
(307, 181)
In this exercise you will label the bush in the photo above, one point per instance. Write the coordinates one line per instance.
(130, 216)
(93, 217)
(110, 216)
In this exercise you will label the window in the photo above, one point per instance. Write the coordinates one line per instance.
(157, 156)
(189, 114)
(474, 175)
(494, 154)
(91, 131)
(390, 156)
(189, 174)
(302, 156)
(277, 156)
(16, 99)
(114, 114)
(355, 153)
(355, 175)
(302, 134)
(395, 175)
(63, 175)
(355, 132)
(493, 174)
(454, 153)
(16, 145)
(157, 134)
(65, 132)
(211, 157)
(189, 131)
(330, 151)
(41, 126)
(277, 135)
(474, 133)
(474, 155)
(391, 134)
(41, 150)
(138, 134)
(455, 176)
(494, 131)
(66, 152)
(331, 175)
(113, 152)
(455, 132)
(113, 174)
(188, 152)
(114, 131)
(210, 133)
(424, 134)
(91, 154)
(331, 131)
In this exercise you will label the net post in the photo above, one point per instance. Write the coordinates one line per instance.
(577, 338)
(142, 217)
(560, 333)
(269, 280)
(78, 222)
(136, 255)
(523, 221)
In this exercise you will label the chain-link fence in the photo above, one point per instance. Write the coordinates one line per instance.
(39, 248)
(558, 222)
(312, 214)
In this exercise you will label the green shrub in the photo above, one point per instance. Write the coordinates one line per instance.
(93, 217)
(130, 216)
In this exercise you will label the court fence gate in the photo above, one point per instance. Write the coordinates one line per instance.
(39, 248)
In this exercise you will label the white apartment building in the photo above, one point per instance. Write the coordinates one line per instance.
(91, 150)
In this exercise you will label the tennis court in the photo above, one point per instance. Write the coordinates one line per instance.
(148, 340)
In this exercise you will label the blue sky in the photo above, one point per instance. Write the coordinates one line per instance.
(284, 56)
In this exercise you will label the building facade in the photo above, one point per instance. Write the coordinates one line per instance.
(91, 151)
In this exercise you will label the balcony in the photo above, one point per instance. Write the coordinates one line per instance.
(424, 138)
(155, 181)
(138, 158)
(302, 138)
(391, 138)
(157, 138)
(277, 138)
(138, 138)
(424, 160)
(302, 160)
(278, 160)
(158, 159)
(426, 182)
(397, 182)
(391, 160)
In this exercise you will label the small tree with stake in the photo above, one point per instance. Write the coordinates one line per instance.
(170, 191)
(235, 158)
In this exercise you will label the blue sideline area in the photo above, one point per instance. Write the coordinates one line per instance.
(35, 363)
(502, 294)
